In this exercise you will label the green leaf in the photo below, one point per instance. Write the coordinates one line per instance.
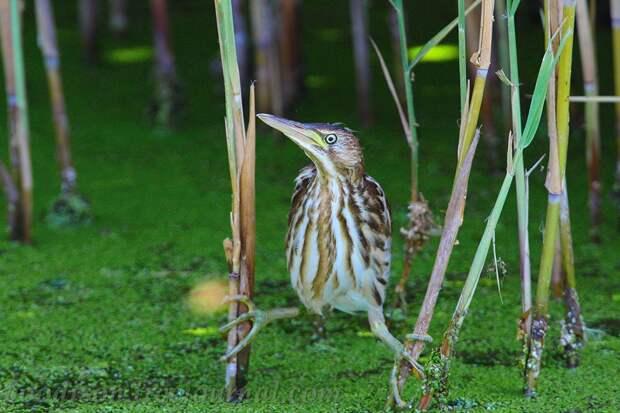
(436, 39)
(540, 93)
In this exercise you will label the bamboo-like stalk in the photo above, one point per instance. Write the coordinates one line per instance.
(503, 51)
(13, 203)
(481, 59)
(440, 363)
(557, 275)
(240, 251)
(599, 99)
(452, 224)
(520, 179)
(88, 14)
(23, 124)
(397, 63)
(462, 34)
(267, 58)
(615, 24)
(420, 216)
(573, 335)
(11, 193)
(573, 329)
(290, 51)
(118, 20)
(361, 57)
(555, 180)
(489, 134)
(168, 90)
(587, 49)
(242, 38)
(19, 146)
(412, 135)
(49, 48)
(456, 207)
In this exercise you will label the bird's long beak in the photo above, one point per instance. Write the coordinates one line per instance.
(307, 138)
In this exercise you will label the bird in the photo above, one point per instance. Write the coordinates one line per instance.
(338, 244)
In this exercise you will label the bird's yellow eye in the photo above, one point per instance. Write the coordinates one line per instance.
(330, 139)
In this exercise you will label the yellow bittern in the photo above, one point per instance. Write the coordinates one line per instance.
(339, 239)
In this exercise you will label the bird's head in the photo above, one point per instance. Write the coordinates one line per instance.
(333, 148)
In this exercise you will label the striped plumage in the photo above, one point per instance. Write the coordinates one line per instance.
(339, 239)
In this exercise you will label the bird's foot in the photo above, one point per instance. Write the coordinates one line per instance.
(259, 320)
(417, 369)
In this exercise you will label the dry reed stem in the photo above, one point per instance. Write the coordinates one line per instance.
(240, 251)
(267, 58)
(593, 135)
(361, 57)
(19, 146)
(49, 48)
(454, 214)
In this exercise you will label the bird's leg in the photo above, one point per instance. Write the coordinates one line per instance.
(259, 319)
(379, 329)
(319, 328)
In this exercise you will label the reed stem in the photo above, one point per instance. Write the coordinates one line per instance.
(481, 59)
(168, 96)
(88, 14)
(242, 37)
(408, 83)
(520, 180)
(240, 251)
(49, 48)
(587, 48)
(485, 112)
(118, 20)
(440, 363)
(615, 25)
(290, 51)
(463, 88)
(573, 334)
(267, 58)
(503, 51)
(540, 323)
(456, 207)
(397, 66)
(19, 146)
(361, 57)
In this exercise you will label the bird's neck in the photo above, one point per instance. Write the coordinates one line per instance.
(351, 176)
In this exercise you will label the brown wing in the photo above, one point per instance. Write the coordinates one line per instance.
(378, 232)
(302, 182)
(295, 215)
(377, 204)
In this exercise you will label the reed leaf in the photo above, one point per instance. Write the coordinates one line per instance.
(439, 37)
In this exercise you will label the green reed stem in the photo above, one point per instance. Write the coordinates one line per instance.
(539, 322)
(462, 54)
(520, 178)
(22, 126)
(473, 277)
(413, 126)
